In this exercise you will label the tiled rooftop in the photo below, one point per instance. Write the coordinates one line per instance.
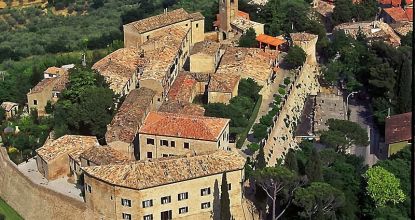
(118, 67)
(244, 24)
(302, 36)
(60, 82)
(197, 16)
(205, 47)
(130, 115)
(324, 8)
(161, 20)
(7, 106)
(223, 82)
(372, 30)
(104, 155)
(398, 128)
(161, 51)
(157, 172)
(65, 145)
(252, 63)
(402, 28)
(185, 108)
(182, 88)
(55, 70)
(45, 83)
(397, 13)
(184, 126)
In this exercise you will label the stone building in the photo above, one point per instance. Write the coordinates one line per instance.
(307, 42)
(373, 31)
(184, 187)
(138, 32)
(231, 22)
(222, 88)
(120, 70)
(205, 57)
(10, 108)
(254, 63)
(52, 158)
(167, 134)
(122, 131)
(184, 88)
(183, 108)
(53, 72)
(47, 90)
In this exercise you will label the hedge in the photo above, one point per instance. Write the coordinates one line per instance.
(241, 140)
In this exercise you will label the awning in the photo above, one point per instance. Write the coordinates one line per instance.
(266, 39)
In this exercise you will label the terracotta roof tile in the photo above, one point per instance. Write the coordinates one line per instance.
(243, 15)
(252, 63)
(410, 14)
(244, 24)
(302, 36)
(182, 88)
(398, 128)
(157, 172)
(130, 115)
(396, 13)
(185, 108)
(205, 47)
(402, 27)
(104, 155)
(197, 16)
(185, 126)
(161, 20)
(65, 145)
(223, 82)
(55, 70)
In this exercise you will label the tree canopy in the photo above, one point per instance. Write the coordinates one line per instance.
(248, 39)
(295, 57)
(383, 187)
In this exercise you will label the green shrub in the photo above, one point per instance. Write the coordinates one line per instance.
(277, 99)
(260, 131)
(253, 147)
(287, 80)
(281, 91)
(266, 120)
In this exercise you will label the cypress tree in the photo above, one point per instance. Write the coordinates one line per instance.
(313, 167)
(405, 88)
(260, 159)
(225, 209)
(291, 161)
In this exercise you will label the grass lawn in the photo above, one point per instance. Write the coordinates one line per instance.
(8, 211)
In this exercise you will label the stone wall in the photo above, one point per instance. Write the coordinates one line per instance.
(281, 136)
(33, 201)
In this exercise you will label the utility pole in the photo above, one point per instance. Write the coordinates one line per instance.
(347, 104)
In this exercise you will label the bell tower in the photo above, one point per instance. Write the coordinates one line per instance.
(228, 10)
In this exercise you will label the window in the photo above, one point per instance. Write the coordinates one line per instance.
(186, 145)
(165, 155)
(126, 216)
(182, 196)
(165, 200)
(205, 205)
(172, 144)
(229, 186)
(88, 188)
(34, 102)
(150, 141)
(183, 210)
(126, 202)
(148, 217)
(149, 155)
(219, 143)
(197, 25)
(147, 203)
(164, 143)
(205, 191)
(148, 37)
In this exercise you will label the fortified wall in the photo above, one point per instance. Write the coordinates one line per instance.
(281, 136)
(33, 201)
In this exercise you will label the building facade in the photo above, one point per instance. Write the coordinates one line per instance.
(167, 134)
(186, 187)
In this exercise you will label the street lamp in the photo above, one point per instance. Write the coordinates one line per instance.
(347, 104)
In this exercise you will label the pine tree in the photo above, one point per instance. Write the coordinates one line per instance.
(225, 209)
(260, 159)
(291, 161)
(313, 167)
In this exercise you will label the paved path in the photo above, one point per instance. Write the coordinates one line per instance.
(60, 185)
